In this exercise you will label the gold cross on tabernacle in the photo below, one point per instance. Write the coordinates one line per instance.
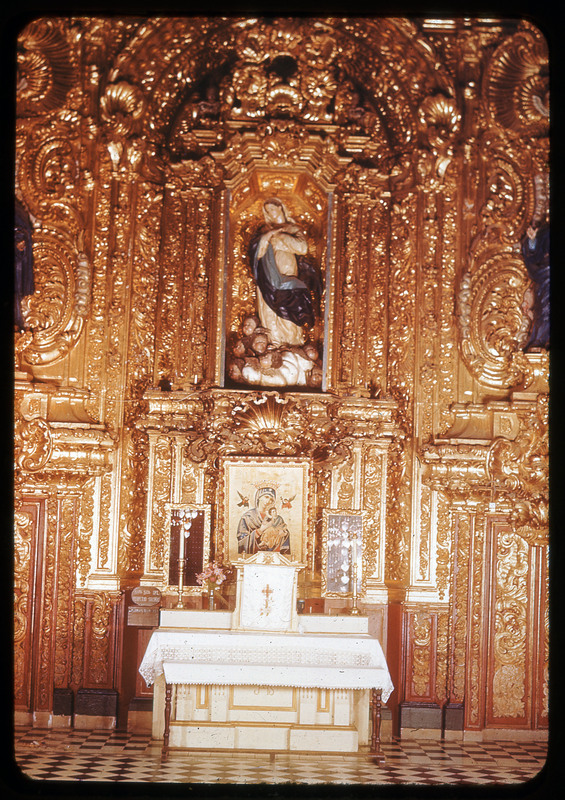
(267, 591)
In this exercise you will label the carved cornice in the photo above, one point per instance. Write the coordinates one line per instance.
(519, 470)
(55, 436)
(272, 145)
(217, 422)
(62, 448)
(508, 468)
(455, 469)
(483, 421)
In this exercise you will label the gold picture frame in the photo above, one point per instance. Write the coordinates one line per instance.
(343, 544)
(195, 520)
(275, 492)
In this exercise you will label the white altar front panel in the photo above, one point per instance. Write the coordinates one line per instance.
(263, 717)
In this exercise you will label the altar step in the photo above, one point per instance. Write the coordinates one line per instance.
(254, 736)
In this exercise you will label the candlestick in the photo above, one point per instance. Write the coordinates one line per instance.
(354, 610)
(181, 564)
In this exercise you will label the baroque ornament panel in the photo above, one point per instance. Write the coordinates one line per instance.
(410, 158)
(499, 302)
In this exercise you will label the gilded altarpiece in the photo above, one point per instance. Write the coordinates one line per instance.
(413, 156)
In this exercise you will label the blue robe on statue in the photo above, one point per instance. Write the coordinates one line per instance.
(536, 257)
(23, 263)
(293, 298)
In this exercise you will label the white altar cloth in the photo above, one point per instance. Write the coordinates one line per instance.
(251, 658)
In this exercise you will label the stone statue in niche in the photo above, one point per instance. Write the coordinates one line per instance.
(274, 348)
(535, 251)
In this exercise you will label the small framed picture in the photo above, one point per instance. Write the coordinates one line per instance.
(342, 552)
(189, 542)
(266, 507)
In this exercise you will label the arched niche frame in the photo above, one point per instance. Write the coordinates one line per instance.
(299, 168)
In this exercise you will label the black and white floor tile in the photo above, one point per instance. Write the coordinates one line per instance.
(111, 756)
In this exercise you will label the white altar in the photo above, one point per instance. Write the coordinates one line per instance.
(262, 677)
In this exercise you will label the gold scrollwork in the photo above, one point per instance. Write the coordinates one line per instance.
(46, 71)
(57, 310)
(518, 469)
(122, 106)
(33, 444)
(517, 83)
(492, 325)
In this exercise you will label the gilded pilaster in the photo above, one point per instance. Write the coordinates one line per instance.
(475, 634)
(510, 605)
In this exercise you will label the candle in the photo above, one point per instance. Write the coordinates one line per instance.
(181, 543)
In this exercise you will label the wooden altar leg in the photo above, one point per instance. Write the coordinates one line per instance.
(376, 754)
(166, 732)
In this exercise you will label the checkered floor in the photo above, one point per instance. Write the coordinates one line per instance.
(55, 755)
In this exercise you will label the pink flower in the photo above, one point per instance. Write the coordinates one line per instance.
(212, 575)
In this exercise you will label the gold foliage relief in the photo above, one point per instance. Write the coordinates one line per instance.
(373, 463)
(444, 549)
(510, 614)
(65, 591)
(161, 495)
(473, 615)
(397, 518)
(23, 543)
(442, 646)
(422, 632)
(402, 293)
(45, 643)
(100, 609)
(344, 481)
(520, 467)
(425, 533)
(134, 498)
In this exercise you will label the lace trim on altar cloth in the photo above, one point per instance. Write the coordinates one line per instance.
(254, 655)
(301, 677)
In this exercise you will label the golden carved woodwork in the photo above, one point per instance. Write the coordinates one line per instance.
(24, 549)
(460, 563)
(522, 64)
(45, 67)
(510, 608)
(414, 154)
(423, 630)
(519, 468)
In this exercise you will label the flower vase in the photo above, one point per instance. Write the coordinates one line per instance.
(211, 600)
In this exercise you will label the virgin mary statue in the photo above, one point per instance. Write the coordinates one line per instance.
(288, 285)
